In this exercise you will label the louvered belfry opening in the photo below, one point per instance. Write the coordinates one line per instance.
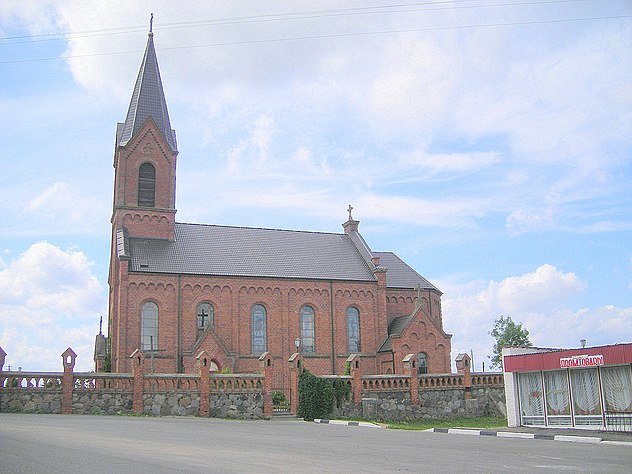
(147, 185)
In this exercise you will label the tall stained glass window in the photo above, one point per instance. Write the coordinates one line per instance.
(258, 328)
(353, 330)
(149, 326)
(307, 329)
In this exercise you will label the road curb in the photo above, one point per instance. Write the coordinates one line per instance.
(488, 432)
(518, 434)
(363, 424)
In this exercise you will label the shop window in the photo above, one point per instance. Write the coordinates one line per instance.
(617, 394)
(531, 399)
(558, 402)
(617, 388)
(585, 387)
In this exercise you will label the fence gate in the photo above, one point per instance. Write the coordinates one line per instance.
(281, 394)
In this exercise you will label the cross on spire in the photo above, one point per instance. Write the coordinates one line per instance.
(349, 211)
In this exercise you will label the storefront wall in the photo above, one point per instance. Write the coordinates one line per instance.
(595, 397)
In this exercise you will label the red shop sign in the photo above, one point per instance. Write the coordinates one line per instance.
(581, 361)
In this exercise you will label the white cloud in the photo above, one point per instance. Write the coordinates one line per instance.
(395, 93)
(540, 300)
(606, 226)
(525, 221)
(412, 83)
(35, 15)
(56, 196)
(454, 162)
(60, 203)
(452, 213)
(49, 298)
(546, 287)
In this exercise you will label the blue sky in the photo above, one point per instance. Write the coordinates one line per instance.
(488, 144)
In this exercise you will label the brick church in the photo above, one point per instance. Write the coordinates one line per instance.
(176, 289)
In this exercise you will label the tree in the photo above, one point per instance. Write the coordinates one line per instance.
(507, 333)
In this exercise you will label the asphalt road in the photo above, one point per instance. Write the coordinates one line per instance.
(119, 444)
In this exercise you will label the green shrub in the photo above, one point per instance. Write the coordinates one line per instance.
(342, 390)
(315, 397)
(278, 398)
(107, 363)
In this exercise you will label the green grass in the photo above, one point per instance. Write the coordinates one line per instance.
(480, 422)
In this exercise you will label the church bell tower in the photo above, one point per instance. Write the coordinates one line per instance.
(145, 155)
(145, 159)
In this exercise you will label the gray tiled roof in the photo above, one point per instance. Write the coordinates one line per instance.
(245, 251)
(148, 100)
(397, 325)
(400, 275)
(395, 328)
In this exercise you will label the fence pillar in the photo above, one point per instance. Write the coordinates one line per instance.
(356, 374)
(67, 383)
(410, 367)
(463, 362)
(203, 368)
(265, 364)
(137, 371)
(296, 369)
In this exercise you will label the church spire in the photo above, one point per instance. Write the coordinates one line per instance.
(148, 99)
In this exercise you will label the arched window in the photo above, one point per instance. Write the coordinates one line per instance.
(205, 315)
(353, 330)
(146, 185)
(149, 326)
(307, 329)
(422, 363)
(258, 317)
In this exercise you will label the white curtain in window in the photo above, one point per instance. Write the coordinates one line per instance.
(585, 391)
(617, 388)
(557, 396)
(531, 401)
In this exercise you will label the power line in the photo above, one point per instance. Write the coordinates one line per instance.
(309, 14)
(332, 35)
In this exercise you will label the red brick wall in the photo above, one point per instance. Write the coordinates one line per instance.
(233, 299)
(147, 146)
(400, 302)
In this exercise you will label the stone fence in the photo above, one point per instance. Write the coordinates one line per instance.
(248, 396)
(413, 396)
(228, 396)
